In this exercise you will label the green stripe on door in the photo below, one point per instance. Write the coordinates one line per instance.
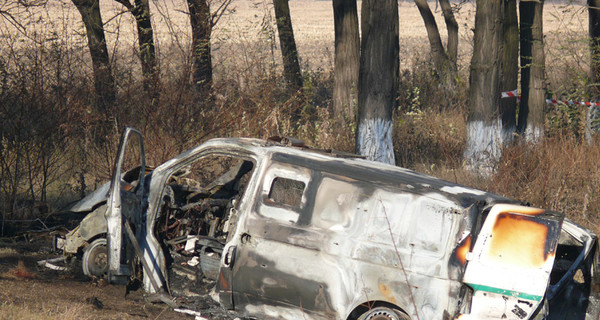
(504, 292)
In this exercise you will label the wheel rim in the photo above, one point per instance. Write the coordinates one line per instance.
(382, 314)
(98, 262)
(95, 259)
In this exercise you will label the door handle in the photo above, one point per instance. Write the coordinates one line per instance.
(229, 257)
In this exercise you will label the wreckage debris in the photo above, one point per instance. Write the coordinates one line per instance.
(50, 263)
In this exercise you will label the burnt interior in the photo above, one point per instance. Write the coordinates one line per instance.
(198, 212)
(567, 251)
(572, 284)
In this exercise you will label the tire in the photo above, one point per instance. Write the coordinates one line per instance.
(383, 313)
(95, 259)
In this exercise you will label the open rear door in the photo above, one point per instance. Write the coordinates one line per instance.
(124, 205)
(509, 267)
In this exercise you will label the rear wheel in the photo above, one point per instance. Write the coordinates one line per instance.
(383, 313)
(95, 259)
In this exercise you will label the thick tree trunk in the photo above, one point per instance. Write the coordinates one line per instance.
(591, 126)
(440, 59)
(200, 21)
(510, 70)
(594, 30)
(484, 138)
(531, 110)
(104, 81)
(291, 64)
(378, 79)
(452, 27)
(141, 12)
(347, 58)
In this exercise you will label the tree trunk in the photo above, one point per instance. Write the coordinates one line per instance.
(291, 65)
(452, 27)
(378, 79)
(440, 59)
(531, 110)
(591, 125)
(594, 30)
(200, 21)
(347, 58)
(141, 12)
(103, 78)
(484, 137)
(510, 70)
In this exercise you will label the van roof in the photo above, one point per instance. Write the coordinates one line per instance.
(353, 166)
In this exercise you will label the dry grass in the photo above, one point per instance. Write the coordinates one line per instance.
(559, 174)
(15, 311)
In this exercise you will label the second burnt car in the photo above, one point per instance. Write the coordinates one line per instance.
(289, 232)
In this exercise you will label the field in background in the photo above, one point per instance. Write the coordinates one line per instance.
(46, 71)
(248, 30)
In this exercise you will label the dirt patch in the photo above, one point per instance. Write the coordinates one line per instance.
(30, 291)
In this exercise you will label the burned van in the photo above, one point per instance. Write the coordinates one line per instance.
(290, 232)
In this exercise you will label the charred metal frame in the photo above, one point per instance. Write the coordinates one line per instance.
(337, 251)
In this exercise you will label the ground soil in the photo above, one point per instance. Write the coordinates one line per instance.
(26, 286)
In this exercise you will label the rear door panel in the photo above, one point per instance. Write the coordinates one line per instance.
(509, 267)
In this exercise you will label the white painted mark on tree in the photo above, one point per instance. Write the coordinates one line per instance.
(484, 144)
(374, 140)
(533, 134)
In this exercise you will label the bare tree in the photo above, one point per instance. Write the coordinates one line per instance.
(378, 79)
(594, 30)
(452, 28)
(202, 22)
(510, 69)
(103, 78)
(347, 59)
(291, 64)
(140, 9)
(531, 109)
(444, 60)
(484, 129)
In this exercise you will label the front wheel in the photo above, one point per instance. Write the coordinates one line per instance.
(383, 313)
(95, 259)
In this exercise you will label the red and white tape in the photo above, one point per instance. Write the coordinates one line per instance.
(510, 94)
(513, 94)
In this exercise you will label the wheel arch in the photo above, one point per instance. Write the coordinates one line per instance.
(94, 224)
(90, 240)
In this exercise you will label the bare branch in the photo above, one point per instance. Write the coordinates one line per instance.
(219, 12)
(115, 16)
(12, 20)
(32, 3)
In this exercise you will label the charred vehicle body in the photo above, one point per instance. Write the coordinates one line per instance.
(288, 232)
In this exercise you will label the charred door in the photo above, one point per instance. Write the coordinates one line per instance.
(124, 204)
(278, 250)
